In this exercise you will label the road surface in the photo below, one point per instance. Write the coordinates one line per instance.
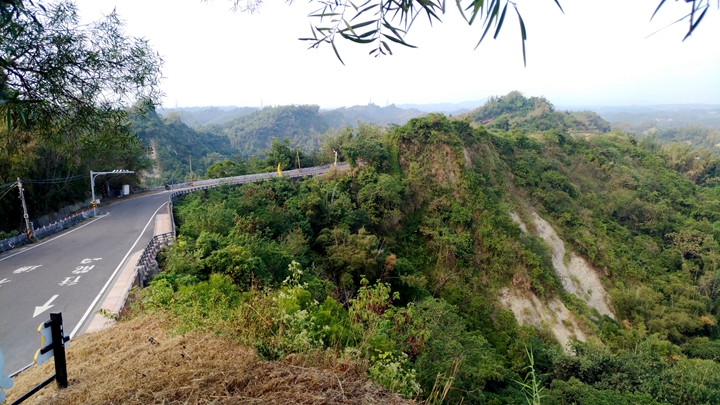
(68, 272)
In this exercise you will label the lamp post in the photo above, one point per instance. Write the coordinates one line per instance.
(92, 183)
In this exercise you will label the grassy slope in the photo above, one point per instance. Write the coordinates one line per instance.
(121, 366)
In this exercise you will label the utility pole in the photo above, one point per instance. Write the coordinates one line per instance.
(298, 160)
(28, 228)
(191, 179)
(92, 190)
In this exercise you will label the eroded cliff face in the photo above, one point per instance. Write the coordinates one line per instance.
(530, 310)
(578, 277)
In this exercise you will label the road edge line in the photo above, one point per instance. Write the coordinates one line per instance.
(112, 277)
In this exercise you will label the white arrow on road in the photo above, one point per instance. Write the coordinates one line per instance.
(40, 310)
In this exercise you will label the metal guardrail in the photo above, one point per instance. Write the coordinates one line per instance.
(39, 233)
(251, 178)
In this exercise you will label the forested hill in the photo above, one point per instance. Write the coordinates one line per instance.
(489, 262)
(515, 111)
(251, 134)
(199, 116)
(349, 116)
(172, 144)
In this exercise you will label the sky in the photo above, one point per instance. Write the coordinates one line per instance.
(597, 53)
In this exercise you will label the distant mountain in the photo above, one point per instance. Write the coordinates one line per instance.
(391, 114)
(336, 118)
(199, 116)
(446, 108)
(638, 119)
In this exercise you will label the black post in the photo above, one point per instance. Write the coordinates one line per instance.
(58, 339)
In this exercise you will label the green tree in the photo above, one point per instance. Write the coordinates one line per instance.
(58, 76)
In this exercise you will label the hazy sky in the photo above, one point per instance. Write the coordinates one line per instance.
(594, 54)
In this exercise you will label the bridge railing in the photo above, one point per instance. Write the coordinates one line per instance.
(147, 266)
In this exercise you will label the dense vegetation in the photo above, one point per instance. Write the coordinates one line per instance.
(399, 263)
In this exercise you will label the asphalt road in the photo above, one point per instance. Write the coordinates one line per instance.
(69, 272)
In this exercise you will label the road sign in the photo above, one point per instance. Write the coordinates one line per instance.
(5, 381)
(46, 351)
(52, 343)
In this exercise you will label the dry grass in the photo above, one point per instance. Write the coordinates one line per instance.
(120, 365)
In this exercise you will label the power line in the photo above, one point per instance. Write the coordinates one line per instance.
(57, 180)
(7, 191)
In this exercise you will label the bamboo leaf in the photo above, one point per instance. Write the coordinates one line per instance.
(336, 52)
(399, 41)
(364, 10)
(393, 29)
(386, 47)
(523, 33)
(487, 28)
(460, 9)
(367, 34)
(349, 27)
(500, 23)
(694, 25)
(324, 15)
(356, 39)
(493, 11)
(364, 24)
(477, 6)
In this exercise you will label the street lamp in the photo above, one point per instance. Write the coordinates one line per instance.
(92, 183)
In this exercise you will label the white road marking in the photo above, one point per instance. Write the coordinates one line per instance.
(117, 269)
(26, 269)
(69, 281)
(82, 269)
(45, 307)
(4, 281)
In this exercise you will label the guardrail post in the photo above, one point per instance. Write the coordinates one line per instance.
(59, 349)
